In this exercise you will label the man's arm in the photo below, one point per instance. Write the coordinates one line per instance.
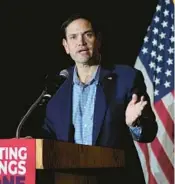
(136, 132)
(144, 127)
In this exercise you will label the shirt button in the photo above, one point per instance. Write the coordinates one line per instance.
(85, 125)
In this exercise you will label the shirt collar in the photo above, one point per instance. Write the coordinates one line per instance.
(94, 79)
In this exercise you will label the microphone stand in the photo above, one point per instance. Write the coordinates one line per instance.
(33, 106)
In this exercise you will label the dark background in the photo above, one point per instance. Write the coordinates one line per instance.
(31, 48)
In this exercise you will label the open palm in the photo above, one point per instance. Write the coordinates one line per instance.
(134, 109)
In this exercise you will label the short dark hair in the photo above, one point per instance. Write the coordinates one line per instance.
(95, 25)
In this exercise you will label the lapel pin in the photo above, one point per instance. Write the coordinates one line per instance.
(110, 78)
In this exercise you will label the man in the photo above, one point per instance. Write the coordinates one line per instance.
(100, 106)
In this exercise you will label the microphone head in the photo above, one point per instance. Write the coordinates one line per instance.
(64, 73)
(53, 82)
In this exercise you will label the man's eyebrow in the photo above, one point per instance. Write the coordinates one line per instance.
(89, 31)
(71, 34)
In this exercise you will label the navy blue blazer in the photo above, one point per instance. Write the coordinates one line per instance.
(114, 91)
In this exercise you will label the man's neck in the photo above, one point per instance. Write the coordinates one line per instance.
(85, 72)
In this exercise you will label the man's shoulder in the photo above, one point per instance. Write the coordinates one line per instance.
(125, 70)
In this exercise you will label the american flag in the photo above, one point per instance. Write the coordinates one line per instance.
(156, 61)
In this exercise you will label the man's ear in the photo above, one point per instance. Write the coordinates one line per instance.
(64, 43)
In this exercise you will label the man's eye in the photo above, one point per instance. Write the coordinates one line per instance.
(72, 37)
(89, 34)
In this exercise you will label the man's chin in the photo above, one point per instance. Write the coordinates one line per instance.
(83, 61)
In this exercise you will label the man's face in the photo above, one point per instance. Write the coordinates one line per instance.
(81, 42)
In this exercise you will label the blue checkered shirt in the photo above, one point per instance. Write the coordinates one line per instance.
(83, 109)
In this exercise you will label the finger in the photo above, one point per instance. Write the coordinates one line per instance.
(142, 99)
(134, 98)
(143, 105)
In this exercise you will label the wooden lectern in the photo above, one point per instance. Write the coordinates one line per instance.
(78, 164)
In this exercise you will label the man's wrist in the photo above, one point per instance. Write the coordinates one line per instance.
(136, 123)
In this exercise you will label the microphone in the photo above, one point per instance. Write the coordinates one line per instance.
(50, 89)
(54, 82)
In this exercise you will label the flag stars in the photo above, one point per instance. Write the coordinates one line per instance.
(172, 15)
(162, 35)
(172, 39)
(145, 50)
(167, 2)
(169, 61)
(168, 72)
(156, 19)
(153, 53)
(158, 69)
(146, 39)
(167, 84)
(159, 58)
(166, 13)
(158, 50)
(152, 65)
(158, 8)
(161, 47)
(170, 50)
(156, 92)
(164, 24)
(157, 81)
(154, 42)
(155, 31)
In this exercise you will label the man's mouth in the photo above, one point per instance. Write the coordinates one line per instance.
(83, 50)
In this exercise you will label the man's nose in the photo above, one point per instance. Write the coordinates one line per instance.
(81, 40)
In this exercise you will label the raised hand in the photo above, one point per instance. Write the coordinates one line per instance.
(134, 109)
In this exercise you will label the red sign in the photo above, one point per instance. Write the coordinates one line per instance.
(17, 161)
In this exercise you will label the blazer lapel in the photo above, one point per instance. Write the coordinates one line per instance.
(103, 96)
(65, 107)
(99, 112)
